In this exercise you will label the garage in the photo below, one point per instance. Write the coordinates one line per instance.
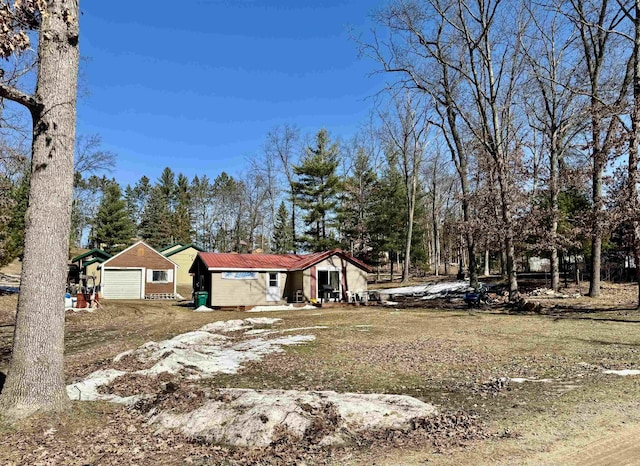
(139, 272)
(122, 284)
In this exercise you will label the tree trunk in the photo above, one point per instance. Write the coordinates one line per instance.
(35, 380)
(553, 187)
(596, 237)
(633, 149)
(596, 186)
(487, 270)
(411, 211)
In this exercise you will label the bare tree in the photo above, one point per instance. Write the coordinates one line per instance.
(555, 109)
(631, 204)
(35, 380)
(406, 131)
(283, 144)
(90, 158)
(419, 49)
(606, 88)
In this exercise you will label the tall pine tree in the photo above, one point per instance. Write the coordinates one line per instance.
(356, 207)
(316, 191)
(155, 225)
(182, 216)
(282, 232)
(113, 225)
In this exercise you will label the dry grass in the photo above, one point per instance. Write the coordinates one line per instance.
(452, 358)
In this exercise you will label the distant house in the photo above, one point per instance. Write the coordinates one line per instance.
(138, 272)
(86, 267)
(242, 280)
(183, 255)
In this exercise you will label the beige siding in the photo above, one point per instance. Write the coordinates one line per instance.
(92, 269)
(184, 259)
(231, 293)
(356, 277)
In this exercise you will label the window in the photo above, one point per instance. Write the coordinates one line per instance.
(160, 276)
(273, 279)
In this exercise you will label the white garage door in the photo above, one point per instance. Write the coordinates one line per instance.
(122, 284)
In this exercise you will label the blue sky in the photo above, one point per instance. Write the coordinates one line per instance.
(197, 85)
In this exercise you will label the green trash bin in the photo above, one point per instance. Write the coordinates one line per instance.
(201, 298)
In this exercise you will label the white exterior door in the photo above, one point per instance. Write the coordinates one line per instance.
(273, 286)
(122, 284)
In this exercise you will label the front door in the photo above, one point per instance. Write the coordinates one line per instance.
(273, 286)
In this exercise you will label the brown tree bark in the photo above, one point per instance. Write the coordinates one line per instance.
(35, 380)
(634, 141)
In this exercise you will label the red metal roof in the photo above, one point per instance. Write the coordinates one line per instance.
(290, 262)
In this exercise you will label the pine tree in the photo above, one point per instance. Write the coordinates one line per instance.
(168, 189)
(15, 226)
(387, 224)
(136, 198)
(316, 191)
(113, 225)
(182, 215)
(357, 207)
(155, 225)
(6, 206)
(282, 232)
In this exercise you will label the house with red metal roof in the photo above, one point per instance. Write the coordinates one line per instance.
(247, 280)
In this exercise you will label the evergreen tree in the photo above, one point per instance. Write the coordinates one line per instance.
(316, 191)
(168, 188)
(387, 224)
(155, 226)
(6, 206)
(282, 232)
(113, 225)
(15, 227)
(357, 208)
(136, 198)
(182, 214)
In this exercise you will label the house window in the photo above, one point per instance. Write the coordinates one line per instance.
(273, 279)
(160, 276)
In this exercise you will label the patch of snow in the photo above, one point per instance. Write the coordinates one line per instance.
(289, 307)
(199, 354)
(526, 379)
(623, 372)
(389, 303)
(427, 290)
(262, 320)
(87, 389)
(202, 361)
(226, 326)
(260, 331)
(264, 331)
(315, 327)
(252, 418)
(203, 308)
(118, 357)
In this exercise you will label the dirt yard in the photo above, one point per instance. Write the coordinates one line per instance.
(512, 387)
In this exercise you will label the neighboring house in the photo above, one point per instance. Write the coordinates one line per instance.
(183, 255)
(267, 279)
(138, 272)
(87, 267)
